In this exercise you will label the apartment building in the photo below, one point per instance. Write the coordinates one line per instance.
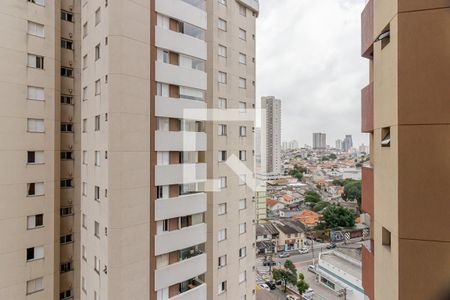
(108, 194)
(319, 140)
(40, 143)
(271, 135)
(405, 187)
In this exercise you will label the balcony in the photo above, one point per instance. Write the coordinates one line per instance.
(367, 191)
(186, 237)
(367, 28)
(180, 271)
(180, 43)
(183, 205)
(368, 271)
(180, 173)
(196, 290)
(251, 4)
(180, 141)
(183, 11)
(367, 109)
(179, 108)
(173, 74)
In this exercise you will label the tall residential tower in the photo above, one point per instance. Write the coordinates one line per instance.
(271, 135)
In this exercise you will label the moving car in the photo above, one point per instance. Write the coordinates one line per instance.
(303, 250)
(271, 285)
(264, 286)
(331, 246)
(284, 254)
(268, 263)
(312, 268)
(308, 294)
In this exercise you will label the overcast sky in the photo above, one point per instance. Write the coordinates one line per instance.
(308, 55)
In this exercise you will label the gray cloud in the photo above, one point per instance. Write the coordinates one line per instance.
(308, 55)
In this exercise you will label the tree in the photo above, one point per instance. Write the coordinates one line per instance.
(311, 196)
(332, 156)
(338, 216)
(320, 205)
(352, 191)
(302, 286)
(298, 172)
(285, 275)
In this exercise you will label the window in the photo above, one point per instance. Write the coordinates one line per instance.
(85, 93)
(222, 235)
(84, 157)
(66, 183)
(96, 264)
(385, 237)
(35, 93)
(242, 204)
(66, 211)
(242, 252)
(65, 155)
(66, 16)
(83, 252)
(38, 2)
(83, 284)
(35, 157)
(85, 29)
(97, 158)
(222, 129)
(222, 155)
(35, 221)
(97, 193)
(243, 155)
(222, 209)
(242, 228)
(222, 103)
(223, 2)
(35, 253)
(222, 51)
(222, 24)
(35, 61)
(242, 131)
(97, 52)
(242, 10)
(222, 287)
(242, 276)
(66, 127)
(66, 44)
(222, 77)
(84, 221)
(97, 229)
(66, 99)
(222, 261)
(66, 295)
(242, 83)
(242, 107)
(84, 125)
(35, 189)
(97, 16)
(242, 34)
(97, 123)
(242, 179)
(242, 58)
(66, 72)
(35, 125)
(386, 137)
(66, 267)
(97, 87)
(85, 61)
(223, 182)
(191, 93)
(35, 285)
(36, 29)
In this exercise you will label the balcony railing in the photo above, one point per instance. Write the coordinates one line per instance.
(197, 3)
(367, 109)
(190, 284)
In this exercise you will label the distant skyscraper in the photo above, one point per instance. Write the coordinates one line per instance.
(348, 143)
(319, 140)
(339, 144)
(271, 135)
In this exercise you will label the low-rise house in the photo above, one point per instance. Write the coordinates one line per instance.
(266, 238)
(287, 213)
(291, 234)
(308, 218)
(274, 205)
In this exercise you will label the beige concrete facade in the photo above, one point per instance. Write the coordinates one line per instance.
(107, 199)
(410, 73)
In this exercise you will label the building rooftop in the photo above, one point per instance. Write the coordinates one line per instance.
(345, 260)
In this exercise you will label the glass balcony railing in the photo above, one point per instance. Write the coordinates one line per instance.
(190, 252)
(197, 3)
(190, 284)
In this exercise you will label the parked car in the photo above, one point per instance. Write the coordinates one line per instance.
(264, 286)
(268, 263)
(303, 250)
(271, 284)
(319, 240)
(284, 254)
(331, 246)
(308, 292)
(312, 268)
(290, 297)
